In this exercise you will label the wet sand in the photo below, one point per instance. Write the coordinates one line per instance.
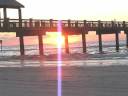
(77, 81)
(65, 57)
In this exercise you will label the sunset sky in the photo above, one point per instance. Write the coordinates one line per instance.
(69, 9)
(76, 9)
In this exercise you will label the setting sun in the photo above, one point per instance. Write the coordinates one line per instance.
(52, 39)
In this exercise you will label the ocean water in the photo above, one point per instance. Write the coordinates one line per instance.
(90, 74)
(92, 48)
(9, 56)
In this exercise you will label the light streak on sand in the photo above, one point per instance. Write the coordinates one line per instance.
(59, 65)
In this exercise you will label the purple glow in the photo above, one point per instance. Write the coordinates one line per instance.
(59, 70)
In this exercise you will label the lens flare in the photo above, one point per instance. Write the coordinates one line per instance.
(59, 65)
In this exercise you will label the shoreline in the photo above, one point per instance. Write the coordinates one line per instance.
(65, 57)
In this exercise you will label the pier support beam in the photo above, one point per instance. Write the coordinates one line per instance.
(100, 42)
(20, 17)
(117, 41)
(66, 43)
(41, 51)
(84, 42)
(126, 40)
(21, 45)
(5, 13)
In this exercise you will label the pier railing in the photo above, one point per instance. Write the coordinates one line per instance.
(37, 23)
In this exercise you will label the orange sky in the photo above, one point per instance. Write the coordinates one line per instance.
(51, 38)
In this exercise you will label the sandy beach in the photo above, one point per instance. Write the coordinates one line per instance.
(82, 75)
(77, 81)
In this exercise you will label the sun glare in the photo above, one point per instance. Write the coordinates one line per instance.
(60, 40)
(52, 39)
(59, 48)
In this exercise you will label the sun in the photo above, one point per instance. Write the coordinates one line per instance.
(53, 39)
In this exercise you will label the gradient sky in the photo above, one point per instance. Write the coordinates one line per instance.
(76, 9)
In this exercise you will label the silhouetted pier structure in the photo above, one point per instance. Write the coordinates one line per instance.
(31, 27)
(35, 27)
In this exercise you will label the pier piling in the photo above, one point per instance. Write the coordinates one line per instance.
(126, 40)
(22, 45)
(66, 43)
(100, 42)
(1, 44)
(84, 42)
(5, 13)
(100, 36)
(41, 51)
(117, 41)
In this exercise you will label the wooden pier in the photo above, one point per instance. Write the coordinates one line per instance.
(36, 27)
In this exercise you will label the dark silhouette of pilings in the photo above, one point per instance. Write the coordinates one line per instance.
(21, 38)
(114, 28)
(66, 38)
(22, 51)
(126, 32)
(41, 51)
(1, 44)
(66, 43)
(100, 42)
(20, 17)
(84, 37)
(5, 13)
(117, 41)
(84, 42)
(126, 39)
(100, 37)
